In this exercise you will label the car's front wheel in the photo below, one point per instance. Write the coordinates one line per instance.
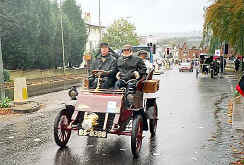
(61, 131)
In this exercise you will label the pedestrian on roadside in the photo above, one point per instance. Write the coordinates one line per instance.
(237, 64)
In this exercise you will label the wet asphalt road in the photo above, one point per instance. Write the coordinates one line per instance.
(192, 130)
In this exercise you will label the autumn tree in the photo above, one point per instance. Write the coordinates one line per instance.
(121, 32)
(224, 22)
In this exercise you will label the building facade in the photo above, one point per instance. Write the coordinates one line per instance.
(94, 32)
(186, 53)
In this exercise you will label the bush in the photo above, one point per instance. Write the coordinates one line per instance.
(6, 75)
(5, 103)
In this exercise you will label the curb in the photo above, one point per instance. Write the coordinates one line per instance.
(17, 108)
(237, 117)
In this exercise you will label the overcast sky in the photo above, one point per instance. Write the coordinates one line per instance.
(151, 16)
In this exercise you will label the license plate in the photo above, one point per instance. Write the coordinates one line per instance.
(100, 134)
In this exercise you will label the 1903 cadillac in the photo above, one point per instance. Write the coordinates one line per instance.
(99, 112)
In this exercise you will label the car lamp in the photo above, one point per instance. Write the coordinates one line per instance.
(90, 121)
(73, 93)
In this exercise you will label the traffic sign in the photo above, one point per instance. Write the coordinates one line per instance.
(217, 52)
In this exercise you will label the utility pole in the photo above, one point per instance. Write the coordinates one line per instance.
(1, 73)
(100, 32)
(62, 31)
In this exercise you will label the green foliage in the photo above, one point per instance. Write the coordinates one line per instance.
(32, 34)
(5, 103)
(224, 22)
(236, 93)
(6, 75)
(121, 32)
(75, 32)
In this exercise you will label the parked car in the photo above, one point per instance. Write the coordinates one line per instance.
(186, 66)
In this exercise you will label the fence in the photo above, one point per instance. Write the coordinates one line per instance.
(46, 81)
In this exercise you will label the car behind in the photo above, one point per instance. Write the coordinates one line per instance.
(185, 67)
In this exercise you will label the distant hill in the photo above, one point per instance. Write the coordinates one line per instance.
(193, 38)
(174, 35)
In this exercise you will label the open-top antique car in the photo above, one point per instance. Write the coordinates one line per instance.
(99, 112)
(208, 66)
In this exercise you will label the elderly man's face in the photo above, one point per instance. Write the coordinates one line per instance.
(126, 52)
(104, 50)
(142, 55)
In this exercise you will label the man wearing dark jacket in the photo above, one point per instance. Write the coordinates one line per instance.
(237, 64)
(106, 62)
(129, 67)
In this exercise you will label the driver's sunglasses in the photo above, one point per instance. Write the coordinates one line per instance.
(126, 49)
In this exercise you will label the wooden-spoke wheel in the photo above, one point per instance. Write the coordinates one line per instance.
(61, 131)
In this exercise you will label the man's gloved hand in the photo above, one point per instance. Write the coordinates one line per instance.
(118, 76)
(136, 75)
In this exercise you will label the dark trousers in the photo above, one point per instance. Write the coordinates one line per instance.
(237, 67)
(119, 84)
(105, 82)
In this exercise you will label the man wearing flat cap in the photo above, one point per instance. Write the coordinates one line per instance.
(144, 55)
(106, 62)
(129, 67)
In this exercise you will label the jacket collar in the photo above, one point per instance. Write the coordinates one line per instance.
(100, 56)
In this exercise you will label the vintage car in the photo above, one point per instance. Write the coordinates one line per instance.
(209, 65)
(99, 112)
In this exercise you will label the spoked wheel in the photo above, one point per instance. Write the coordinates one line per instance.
(136, 135)
(61, 133)
(153, 122)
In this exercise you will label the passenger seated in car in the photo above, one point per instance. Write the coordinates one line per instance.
(144, 55)
(129, 67)
(106, 62)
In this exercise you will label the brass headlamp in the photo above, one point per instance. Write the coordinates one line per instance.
(90, 121)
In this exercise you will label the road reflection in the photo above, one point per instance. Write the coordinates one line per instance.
(110, 153)
(65, 157)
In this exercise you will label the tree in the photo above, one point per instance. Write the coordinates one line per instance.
(31, 34)
(75, 32)
(224, 22)
(121, 32)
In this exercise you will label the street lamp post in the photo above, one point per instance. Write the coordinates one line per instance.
(1, 73)
(100, 33)
(62, 31)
